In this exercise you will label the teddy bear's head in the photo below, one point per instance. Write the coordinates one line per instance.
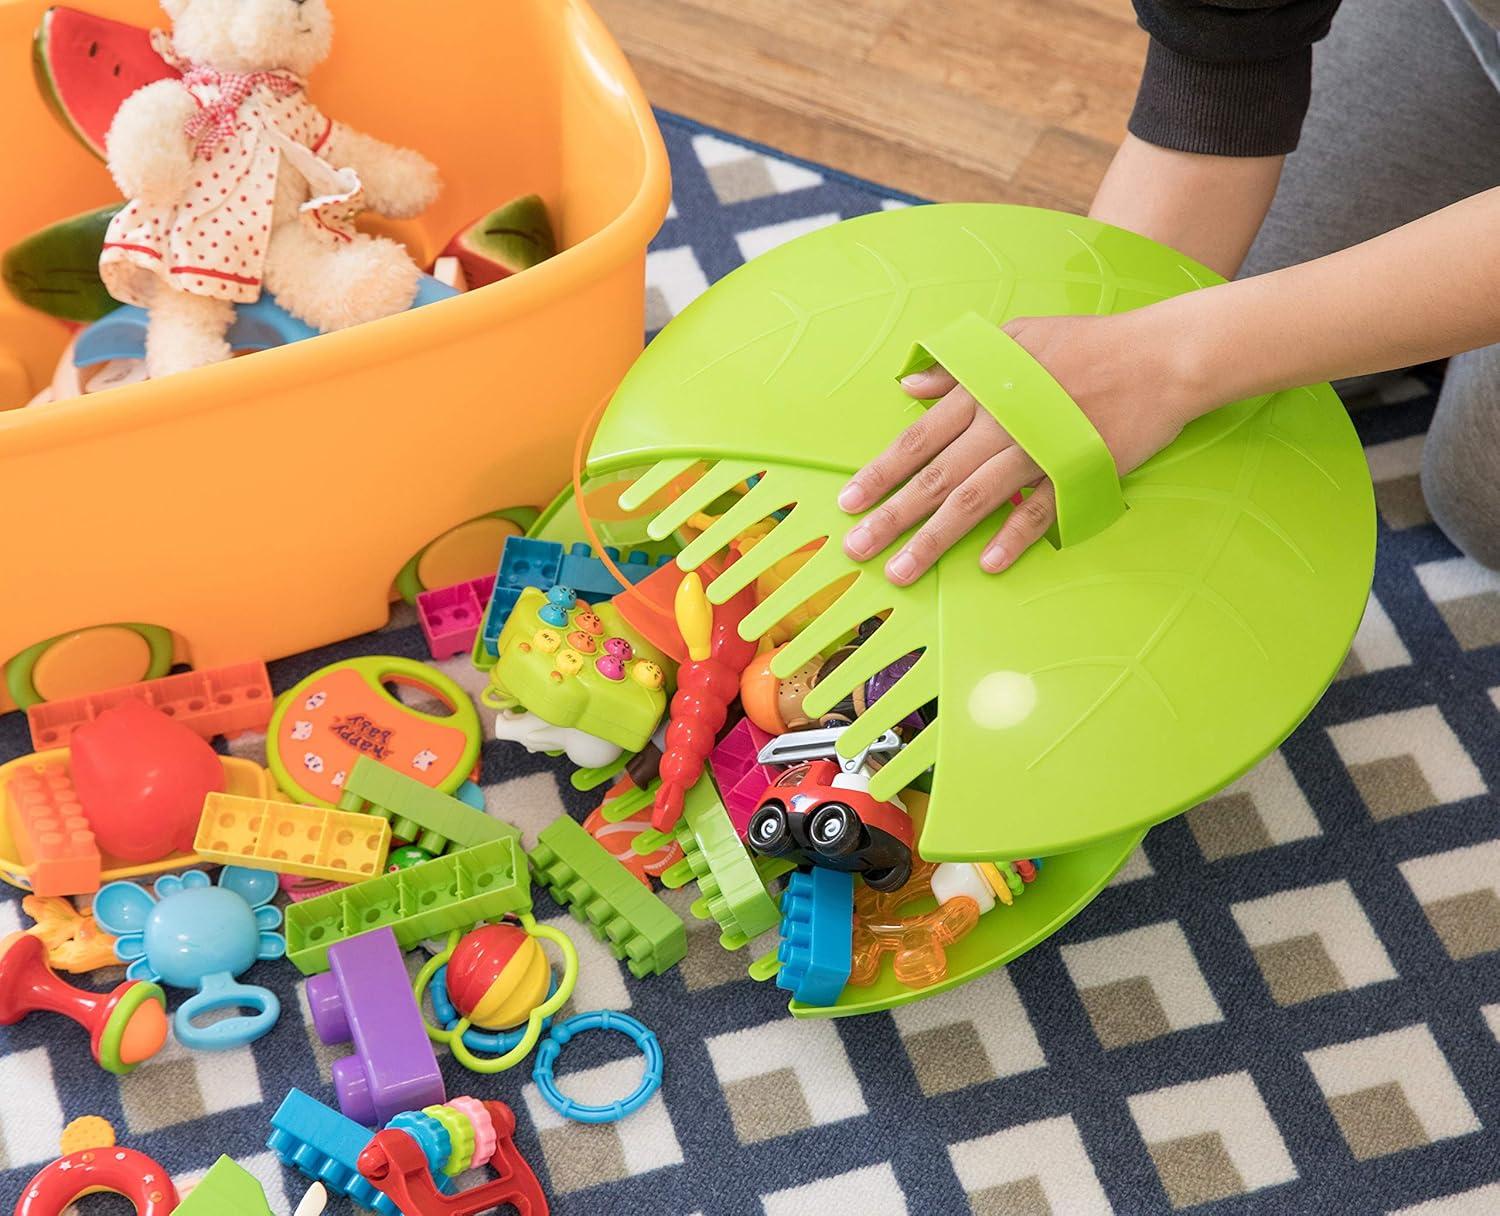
(252, 35)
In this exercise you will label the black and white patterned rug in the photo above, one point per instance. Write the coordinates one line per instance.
(1288, 1002)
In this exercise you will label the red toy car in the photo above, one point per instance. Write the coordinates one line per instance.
(820, 814)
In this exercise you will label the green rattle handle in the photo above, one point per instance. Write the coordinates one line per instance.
(1037, 413)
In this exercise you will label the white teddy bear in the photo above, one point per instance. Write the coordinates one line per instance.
(236, 182)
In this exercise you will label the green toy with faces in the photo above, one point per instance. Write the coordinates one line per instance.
(576, 678)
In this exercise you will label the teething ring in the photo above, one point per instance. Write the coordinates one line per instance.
(344, 711)
(221, 992)
(455, 1035)
(493, 1042)
(120, 1171)
(542, 1071)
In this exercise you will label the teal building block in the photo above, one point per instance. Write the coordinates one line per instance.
(428, 818)
(455, 891)
(581, 875)
(325, 1146)
(817, 935)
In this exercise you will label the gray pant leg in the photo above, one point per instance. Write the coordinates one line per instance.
(1404, 121)
(1461, 458)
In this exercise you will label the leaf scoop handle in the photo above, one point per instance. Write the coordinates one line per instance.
(1037, 413)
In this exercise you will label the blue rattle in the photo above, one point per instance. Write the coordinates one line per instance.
(193, 934)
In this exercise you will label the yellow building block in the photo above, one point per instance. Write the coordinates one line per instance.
(309, 841)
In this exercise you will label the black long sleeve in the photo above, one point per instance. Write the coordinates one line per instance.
(1227, 77)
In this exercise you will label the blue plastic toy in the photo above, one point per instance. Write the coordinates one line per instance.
(257, 326)
(817, 935)
(193, 934)
(560, 601)
(525, 562)
(542, 1071)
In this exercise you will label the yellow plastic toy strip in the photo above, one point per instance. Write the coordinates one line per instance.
(309, 841)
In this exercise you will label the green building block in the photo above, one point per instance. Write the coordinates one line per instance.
(729, 881)
(427, 817)
(228, 1189)
(455, 891)
(598, 890)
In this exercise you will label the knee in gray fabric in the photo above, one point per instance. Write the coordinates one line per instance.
(1461, 461)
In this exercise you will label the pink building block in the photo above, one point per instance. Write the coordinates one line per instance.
(741, 780)
(451, 616)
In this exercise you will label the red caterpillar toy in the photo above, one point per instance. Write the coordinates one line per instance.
(707, 684)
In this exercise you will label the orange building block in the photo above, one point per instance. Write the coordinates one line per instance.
(223, 701)
(309, 841)
(50, 833)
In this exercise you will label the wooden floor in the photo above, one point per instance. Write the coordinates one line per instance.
(1003, 100)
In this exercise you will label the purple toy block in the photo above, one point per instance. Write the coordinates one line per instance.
(366, 997)
(451, 616)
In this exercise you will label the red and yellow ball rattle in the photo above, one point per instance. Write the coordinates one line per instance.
(497, 976)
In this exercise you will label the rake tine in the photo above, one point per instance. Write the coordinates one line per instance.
(909, 763)
(654, 480)
(895, 639)
(722, 477)
(750, 509)
(913, 690)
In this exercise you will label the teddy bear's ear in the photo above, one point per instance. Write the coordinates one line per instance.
(175, 8)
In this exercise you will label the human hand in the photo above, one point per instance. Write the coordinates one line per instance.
(955, 466)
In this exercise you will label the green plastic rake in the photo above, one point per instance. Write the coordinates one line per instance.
(1182, 621)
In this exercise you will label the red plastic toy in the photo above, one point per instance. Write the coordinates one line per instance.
(99, 1166)
(819, 815)
(395, 1165)
(142, 778)
(126, 1025)
(707, 684)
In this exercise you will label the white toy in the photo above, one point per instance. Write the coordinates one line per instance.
(237, 182)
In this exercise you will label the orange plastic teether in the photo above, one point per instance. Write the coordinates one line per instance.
(919, 941)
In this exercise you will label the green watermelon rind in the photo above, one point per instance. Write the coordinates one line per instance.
(55, 270)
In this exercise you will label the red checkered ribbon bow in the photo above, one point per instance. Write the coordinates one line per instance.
(216, 122)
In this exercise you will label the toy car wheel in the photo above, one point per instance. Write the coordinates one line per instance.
(892, 878)
(769, 833)
(835, 830)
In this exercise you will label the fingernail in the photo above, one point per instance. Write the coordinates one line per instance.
(994, 559)
(903, 567)
(850, 496)
(858, 541)
(915, 380)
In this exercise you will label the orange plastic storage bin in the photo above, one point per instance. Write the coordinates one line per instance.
(271, 504)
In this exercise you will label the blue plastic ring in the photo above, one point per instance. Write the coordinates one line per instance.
(599, 1019)
(495, 1042)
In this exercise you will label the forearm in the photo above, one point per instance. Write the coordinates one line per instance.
(1209, 207)
(1423, 291)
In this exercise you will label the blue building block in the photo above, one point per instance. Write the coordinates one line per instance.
(325, 1146)
(525, 562)
(817, 935)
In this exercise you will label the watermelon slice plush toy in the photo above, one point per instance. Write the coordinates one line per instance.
(513, 238)
(56, 270)
(86, 66)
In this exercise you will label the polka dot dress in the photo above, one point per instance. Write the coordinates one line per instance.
(213, 241)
